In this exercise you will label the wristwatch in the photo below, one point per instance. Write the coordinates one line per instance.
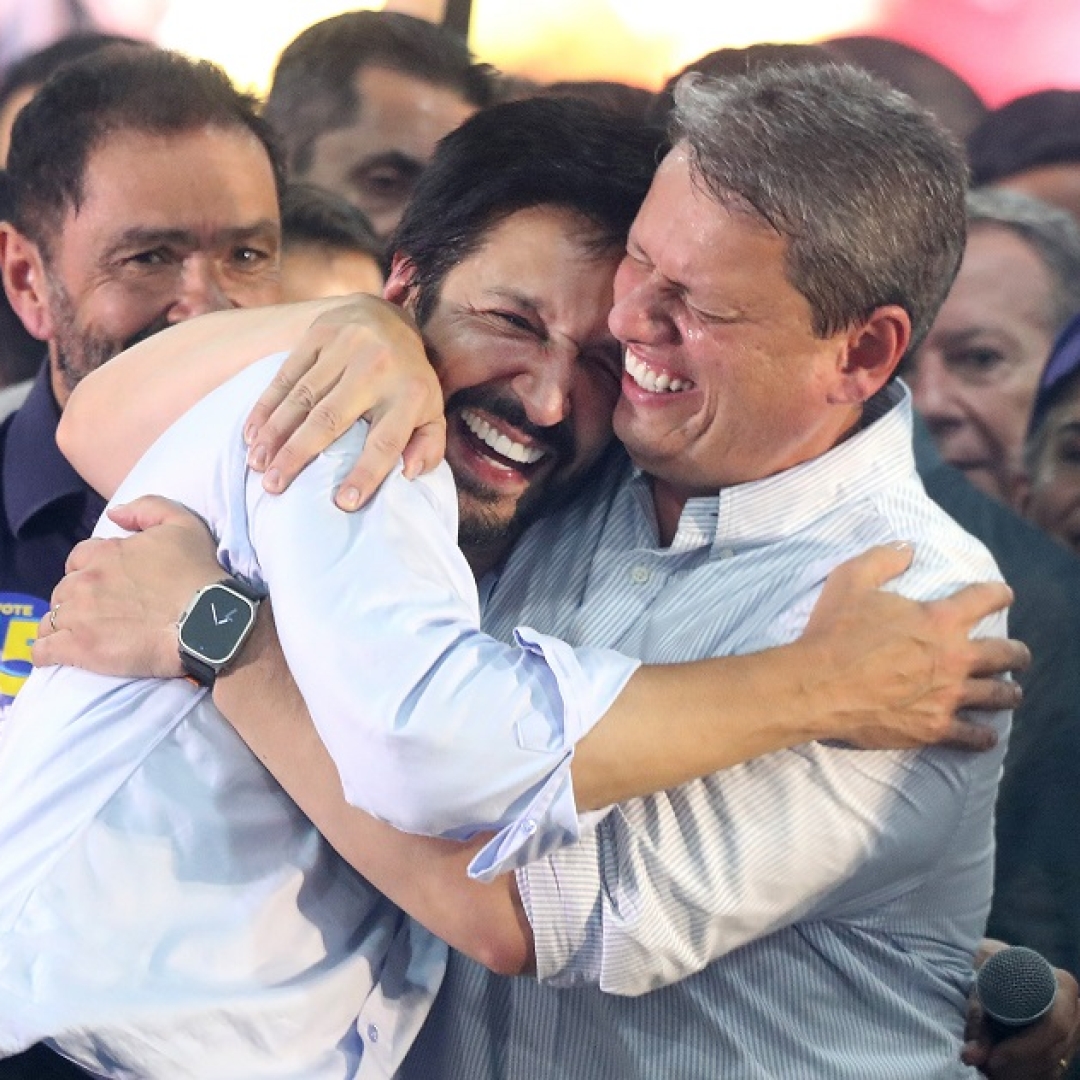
(214, 627)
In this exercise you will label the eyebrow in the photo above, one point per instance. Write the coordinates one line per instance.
(141, 236)
(970, 333)
(519, 298)
(532, 307)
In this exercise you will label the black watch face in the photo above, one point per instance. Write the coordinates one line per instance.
(216, 624)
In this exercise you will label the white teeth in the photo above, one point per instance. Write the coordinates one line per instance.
(500, 442)
(647, 379)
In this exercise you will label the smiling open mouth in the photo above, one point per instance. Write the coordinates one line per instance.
(499, 443)
(649, 380)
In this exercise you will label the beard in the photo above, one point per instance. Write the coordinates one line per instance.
(79, 350)
(485, 521)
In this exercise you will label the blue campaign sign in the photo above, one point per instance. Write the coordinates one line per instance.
(19, 618)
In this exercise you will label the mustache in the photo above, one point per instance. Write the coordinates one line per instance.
(558, 439)
(148, 331)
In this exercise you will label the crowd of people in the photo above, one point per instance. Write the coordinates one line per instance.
(663, 730)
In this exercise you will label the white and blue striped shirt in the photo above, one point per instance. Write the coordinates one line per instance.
(811, 914)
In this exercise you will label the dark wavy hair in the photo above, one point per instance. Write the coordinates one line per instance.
(535, 152)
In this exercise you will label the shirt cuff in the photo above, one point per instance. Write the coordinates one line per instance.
(588, 680)
(563, 901)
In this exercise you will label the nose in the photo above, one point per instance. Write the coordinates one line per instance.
(544, 386)
(202, 289)
(637, 314)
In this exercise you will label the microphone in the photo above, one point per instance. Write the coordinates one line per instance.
(1015, 987)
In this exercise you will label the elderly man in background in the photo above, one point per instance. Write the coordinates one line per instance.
(974, 378)
(145, 192)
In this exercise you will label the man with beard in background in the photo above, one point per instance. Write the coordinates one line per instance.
(146, 192)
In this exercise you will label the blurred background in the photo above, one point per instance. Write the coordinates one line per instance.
(1002, 47)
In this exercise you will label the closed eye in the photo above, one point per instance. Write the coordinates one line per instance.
(516, 321)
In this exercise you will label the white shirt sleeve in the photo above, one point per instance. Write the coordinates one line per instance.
(434, 726)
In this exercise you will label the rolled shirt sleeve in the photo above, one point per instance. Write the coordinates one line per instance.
(667, 884)
(434, 726)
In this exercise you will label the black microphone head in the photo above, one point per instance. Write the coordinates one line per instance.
(1016, 986)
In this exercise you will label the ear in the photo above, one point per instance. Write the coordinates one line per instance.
(871, 353)
(400, 282)
(25, 281)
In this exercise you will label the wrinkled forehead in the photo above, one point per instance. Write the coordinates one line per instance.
(202, 188)
(399, 109)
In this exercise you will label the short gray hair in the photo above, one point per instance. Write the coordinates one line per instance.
(865, 185)
(1052, 233)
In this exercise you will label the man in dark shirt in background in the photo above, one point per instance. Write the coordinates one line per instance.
(146, 192)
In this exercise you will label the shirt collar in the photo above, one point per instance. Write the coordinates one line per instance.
(878, 455)
(35, 474)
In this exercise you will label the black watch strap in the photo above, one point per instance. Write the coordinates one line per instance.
(243, 588)
(199, 670)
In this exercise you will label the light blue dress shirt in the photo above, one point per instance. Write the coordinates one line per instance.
(165, 910)
(809, 915)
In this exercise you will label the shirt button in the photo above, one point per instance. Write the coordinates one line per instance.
(372, 1033)
(639, 575)
(528, 826)
(726, 553)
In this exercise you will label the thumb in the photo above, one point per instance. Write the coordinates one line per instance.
(873, 568)
(148, 511)
(858, 577)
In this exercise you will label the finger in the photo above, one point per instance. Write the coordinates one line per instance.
(293, 368)
(991, 695)
(975, 1054)
(1023, 1058)
(968, 735)
(973, 1019)
(873, 568)
(322, 426)
(382, 451)
(83, 554)
(426, 448)
(148, 511)
(307, 421)
(974, 603)
(324, 390)
(52, 648)
(999, 656)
